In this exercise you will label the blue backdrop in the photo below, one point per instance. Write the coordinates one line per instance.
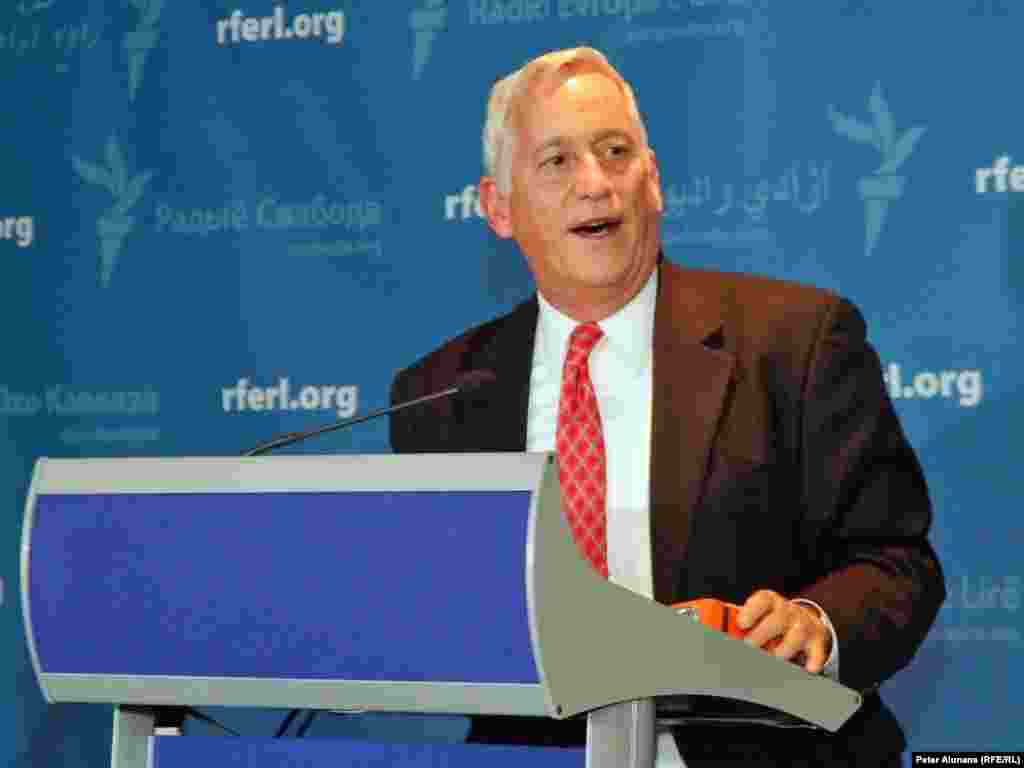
(201, 202)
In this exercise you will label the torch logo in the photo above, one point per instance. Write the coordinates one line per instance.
(115, 225)
(141, 41)
(425, 23)
(885, 185)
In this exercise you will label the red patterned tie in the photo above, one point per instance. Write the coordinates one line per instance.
(580, 446)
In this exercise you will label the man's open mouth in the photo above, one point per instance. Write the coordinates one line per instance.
(597, 228)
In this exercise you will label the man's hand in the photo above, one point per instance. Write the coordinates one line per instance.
(803, 636)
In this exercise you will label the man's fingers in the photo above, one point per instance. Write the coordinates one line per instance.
(796, 639)
(767, 629)
(816, 659)
(756, 606)
(800, 634)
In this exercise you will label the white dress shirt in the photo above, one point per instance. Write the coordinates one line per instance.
(621, 367)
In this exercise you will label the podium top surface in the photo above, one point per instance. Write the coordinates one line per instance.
(268, 474)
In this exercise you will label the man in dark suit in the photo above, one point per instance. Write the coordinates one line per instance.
(749, 450)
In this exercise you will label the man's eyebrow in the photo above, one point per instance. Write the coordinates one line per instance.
(613, 133)
(554, 141)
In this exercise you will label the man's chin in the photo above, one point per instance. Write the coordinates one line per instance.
(606, 285)
(606, 267)
(599, 279)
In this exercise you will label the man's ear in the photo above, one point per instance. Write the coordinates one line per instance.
(654, 181)
(496, 207)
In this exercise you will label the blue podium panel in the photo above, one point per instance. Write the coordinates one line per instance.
(278, 585)
(196, 752)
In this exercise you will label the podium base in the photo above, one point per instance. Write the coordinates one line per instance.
(133, 729)
(622, 735)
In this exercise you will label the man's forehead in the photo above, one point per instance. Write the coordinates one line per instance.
(533, 100)
(545, 77)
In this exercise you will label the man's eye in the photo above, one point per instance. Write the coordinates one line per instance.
(555, 161)
(617, 150)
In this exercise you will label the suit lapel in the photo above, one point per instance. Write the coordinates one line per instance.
(691, 377)
(497, 422)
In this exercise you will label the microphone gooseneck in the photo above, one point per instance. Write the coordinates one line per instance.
(465, 383)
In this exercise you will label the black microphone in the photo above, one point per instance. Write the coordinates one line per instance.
(465, 384)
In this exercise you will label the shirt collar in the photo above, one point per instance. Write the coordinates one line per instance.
(628, 334)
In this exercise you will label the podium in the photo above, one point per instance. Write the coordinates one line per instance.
(415, 583)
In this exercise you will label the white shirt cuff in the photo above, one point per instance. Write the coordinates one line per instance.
(831, 668)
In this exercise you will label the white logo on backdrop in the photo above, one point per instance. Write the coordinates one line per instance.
(20, 229)
(1002, 176)
(463, 205)
(965, 387)
(246, 396)
(115, 225)
(141, 40)
(238, 28)
(425, 23)
(884, 186)
(83, 406)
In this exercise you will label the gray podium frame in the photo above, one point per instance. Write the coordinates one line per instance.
(579, 622)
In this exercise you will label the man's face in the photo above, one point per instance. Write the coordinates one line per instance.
(585, 198)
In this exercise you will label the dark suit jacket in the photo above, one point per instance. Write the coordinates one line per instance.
(777, 463)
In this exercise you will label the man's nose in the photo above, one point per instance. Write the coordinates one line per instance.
(591, 180)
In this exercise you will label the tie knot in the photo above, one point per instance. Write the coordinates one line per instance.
(581, 343)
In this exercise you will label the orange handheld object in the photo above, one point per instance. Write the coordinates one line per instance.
(718, 614)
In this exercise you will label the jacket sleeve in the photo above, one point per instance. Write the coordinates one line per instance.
(425, 428)
(867, 510)
(400, 428)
